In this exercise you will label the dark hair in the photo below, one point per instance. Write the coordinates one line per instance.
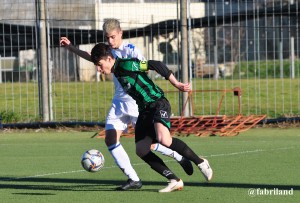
(100, 51)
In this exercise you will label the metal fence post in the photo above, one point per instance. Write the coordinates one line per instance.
(44, 60)
(184, 52)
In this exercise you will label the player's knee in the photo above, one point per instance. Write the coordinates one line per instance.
(141, 151)
(143, 146)
(109, 141)
(111, 137)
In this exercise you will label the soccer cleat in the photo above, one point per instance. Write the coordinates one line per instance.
(130, 185)
(206, 170)
(187, 166)
(173, 186)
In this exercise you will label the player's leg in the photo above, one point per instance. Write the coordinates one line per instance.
(184, 162)
(144, 152)
(166, 151)
(164, 137)
(144, 136)
(114, 127)
(162, 125)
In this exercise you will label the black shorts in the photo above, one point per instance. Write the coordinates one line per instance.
(157, 112)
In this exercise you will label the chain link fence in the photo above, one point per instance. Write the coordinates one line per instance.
(253, 45)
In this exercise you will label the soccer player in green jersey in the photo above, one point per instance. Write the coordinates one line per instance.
(153, 124)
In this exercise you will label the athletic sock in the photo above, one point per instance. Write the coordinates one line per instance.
(122, 160)
(159, 166)
(182, 148)
(167, 152)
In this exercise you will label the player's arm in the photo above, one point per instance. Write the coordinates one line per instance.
(164, 71)
(159, 67)
(65, 42)
(184, 87)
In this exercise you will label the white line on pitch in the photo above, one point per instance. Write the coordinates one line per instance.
(247, 152)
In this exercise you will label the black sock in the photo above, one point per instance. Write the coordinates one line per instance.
(159, 166)
(184, 150)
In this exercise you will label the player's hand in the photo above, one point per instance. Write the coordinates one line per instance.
(64, 41)
(184, 87)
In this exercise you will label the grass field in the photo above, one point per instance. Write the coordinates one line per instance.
(90, 101)
(44, 166)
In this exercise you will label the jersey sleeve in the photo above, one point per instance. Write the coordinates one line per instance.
(160, 68)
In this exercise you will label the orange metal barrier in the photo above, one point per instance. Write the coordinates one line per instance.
(213, 125)
(222, 125)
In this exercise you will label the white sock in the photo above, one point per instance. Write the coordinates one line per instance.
(167, 152)
(122, 160)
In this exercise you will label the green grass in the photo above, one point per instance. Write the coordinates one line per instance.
(265, 69)
(44, 166)
(90, 101)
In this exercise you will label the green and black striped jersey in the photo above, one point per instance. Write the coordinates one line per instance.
(136, 81)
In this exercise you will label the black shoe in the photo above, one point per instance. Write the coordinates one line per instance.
(187, 166)
(130, 185)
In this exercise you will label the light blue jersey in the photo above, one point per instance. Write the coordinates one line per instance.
(126, 50)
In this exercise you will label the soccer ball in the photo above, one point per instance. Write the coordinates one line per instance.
(92, 160)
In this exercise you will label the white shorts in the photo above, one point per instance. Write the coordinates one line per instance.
(121, 114)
